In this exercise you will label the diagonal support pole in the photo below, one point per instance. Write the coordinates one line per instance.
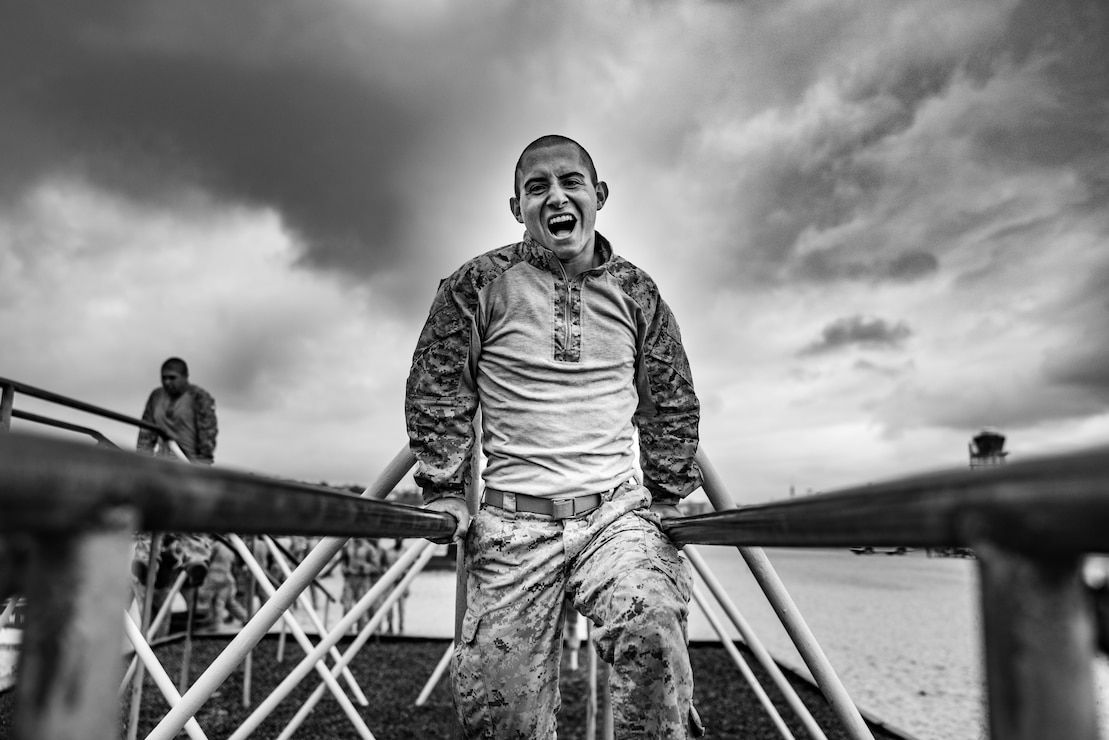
(301, 638)
(436, 675)
(315, 655)
(787, 611)
(161, 616)
(762, 655)
(737, 658)
(162, 680)
(364, 636)
(306, 604)
(271, 611)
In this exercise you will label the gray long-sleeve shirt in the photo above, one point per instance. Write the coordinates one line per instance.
(565, 370)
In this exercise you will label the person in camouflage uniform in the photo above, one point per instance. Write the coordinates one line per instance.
(573, 358)
(188, 413)
(360, 564)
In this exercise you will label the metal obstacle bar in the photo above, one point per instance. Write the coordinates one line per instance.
(1029, 523)
(53, 485)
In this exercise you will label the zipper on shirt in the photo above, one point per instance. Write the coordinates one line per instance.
(569, 349)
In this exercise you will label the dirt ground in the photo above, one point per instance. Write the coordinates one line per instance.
(393, 671)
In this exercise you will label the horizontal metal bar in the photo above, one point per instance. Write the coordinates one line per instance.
(56, 485)
(47, 421)
(44, 395)
(1048, 504)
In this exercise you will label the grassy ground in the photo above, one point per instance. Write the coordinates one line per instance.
(392, 673)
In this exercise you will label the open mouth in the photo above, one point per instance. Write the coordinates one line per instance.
(562, 224)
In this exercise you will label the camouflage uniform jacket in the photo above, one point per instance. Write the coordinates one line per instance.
(564, 369)
(190, 419)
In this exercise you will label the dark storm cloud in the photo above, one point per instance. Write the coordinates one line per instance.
(829, 265)
(859, 331)
(832, 167)
(315, 142)
(1082, 365)
(1085, 369)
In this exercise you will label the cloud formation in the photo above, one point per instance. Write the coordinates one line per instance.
(880, 225)
(859, 331)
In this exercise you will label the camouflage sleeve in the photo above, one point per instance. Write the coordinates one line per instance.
(669, 420)
(204, 407)
(147, 438)
(439, 399)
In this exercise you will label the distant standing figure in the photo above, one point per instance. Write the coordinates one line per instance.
(221, 584)
(188, 414)
(395, 617)
(186, 411)
(360, 564)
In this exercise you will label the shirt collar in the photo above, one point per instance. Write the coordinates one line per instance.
(545, 257)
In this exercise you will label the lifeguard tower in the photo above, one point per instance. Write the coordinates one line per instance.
(987, 449)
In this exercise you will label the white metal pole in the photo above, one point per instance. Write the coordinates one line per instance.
(306, 603)
(745, 669)
(271, 611)
(9, 609)
(152, 630)
(152, 566)
(427, 552)
(788, 613)
(161, 679)
(754, 644)
(436, 675)
(314, 655)
(301, 638)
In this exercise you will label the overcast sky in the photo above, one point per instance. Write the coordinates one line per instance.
(881, 225)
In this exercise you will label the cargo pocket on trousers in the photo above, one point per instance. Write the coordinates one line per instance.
(665, 558)
(470, 624)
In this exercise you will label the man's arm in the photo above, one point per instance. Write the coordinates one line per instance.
(204, 408)
(440, 400)
(147, 438)
(669, 420)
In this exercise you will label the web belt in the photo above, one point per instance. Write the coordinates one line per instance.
(556, 508)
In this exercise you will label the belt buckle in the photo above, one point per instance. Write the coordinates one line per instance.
(563, 508)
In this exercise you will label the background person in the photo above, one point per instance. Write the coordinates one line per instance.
(360, 564)
(188, 413)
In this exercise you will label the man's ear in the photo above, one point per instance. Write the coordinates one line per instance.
(602, 194)
(514, 206)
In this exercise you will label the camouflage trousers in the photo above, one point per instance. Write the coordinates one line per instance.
(179, 552)
(355, 586)
(620, 571)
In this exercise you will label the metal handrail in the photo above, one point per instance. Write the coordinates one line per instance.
(1051, 504)
(47, 421)
(44, 395)
(39, 495)
(1029, 522)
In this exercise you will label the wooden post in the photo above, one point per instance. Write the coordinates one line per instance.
(1039, 635)
(70, 663)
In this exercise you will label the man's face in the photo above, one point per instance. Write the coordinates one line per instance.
(174, 382)
(558, 202)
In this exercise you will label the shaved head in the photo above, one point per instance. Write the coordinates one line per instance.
(177, 365)
(547, 141)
